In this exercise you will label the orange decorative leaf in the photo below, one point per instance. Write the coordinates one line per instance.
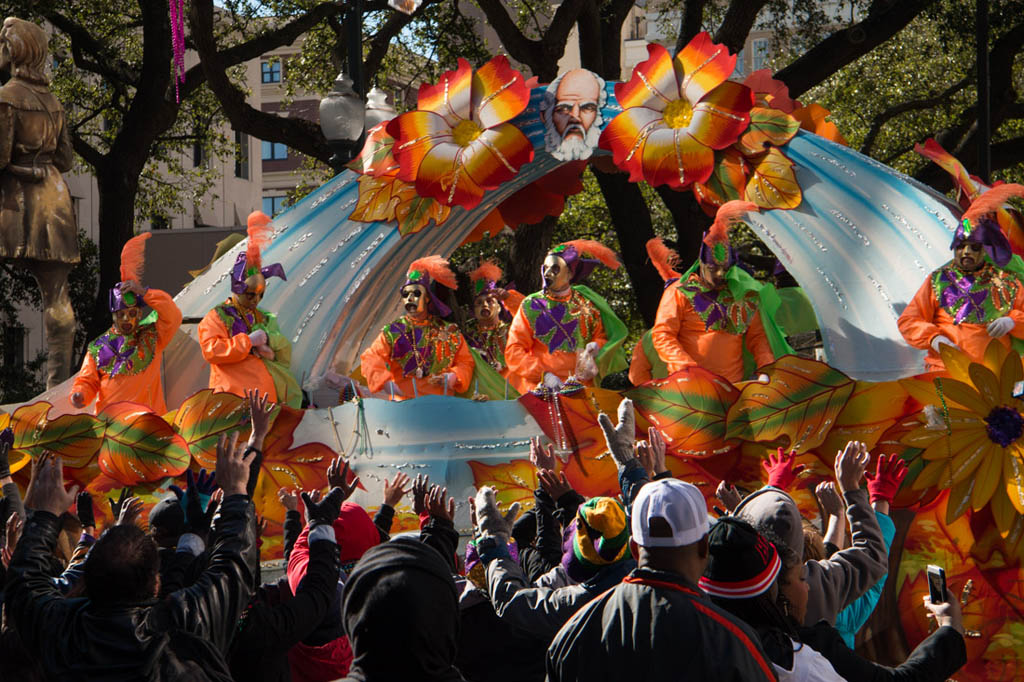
(768, 92)
(727, 182)
(689, 408)
(814, 118)
(767, 127)
(414, 212)
(512, 481)
(139, 445)
(800, 402)
(377, 199)
(376, 158)
(773, 182)
(203, 417)
(75, 437)
(872, 409)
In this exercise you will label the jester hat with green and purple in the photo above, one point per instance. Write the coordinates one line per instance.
(427, 270)
(249, 262)
(573, 252)
(133, 260)
(715, 248)
(978, 223)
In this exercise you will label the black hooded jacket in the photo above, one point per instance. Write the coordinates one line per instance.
(401, 615)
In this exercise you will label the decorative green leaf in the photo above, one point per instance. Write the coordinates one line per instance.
(800, 402)
(203, 417)
(727, 181)
(689, 408)
(75, 437)
(139, 446)
(767, 127)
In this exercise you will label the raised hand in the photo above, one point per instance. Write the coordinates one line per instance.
(542, 456)
(117, 506)
(829, 498)
(315, 496)
(395, 489)
(260, 411)
(620, 438)
(889, 474)
(337, 477)
(439, 504)
(850, 466)
(420, 489)
(729, 495)
(289, 499)
(86, 515)
(325, 511)
(555, 485)
(782, 469)
(490, 519)
(233, 466)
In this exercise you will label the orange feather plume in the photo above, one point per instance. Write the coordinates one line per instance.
(437, 268)
(258, 229)
(992, 200)
(728, 214)
(133, 257)
(488, 271)
(596, 250)
(663, 258)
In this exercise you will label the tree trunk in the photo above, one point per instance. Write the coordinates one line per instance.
(118, 187)
(690, 220)
(632, 222)
(530, 245)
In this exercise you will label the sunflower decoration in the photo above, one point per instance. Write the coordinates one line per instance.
(972, 434)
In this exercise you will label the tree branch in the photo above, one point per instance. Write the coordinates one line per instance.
(914, 105)
(104, 62)
(691, 22)
(540, 55)
(739, 19)
(885, 19)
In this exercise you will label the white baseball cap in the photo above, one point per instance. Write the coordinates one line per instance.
(679, 503)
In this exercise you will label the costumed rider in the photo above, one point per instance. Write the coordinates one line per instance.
(977, 296)
(123, 365)
(566, 331)
(493, 308)
(242, 343)
(420, 353)
(716, 313)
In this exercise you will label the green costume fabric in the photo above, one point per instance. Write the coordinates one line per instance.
(612, 356)
(288, 390)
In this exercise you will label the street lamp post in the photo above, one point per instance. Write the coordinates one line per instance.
(343, 115)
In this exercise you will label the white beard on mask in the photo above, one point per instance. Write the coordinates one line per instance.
(571, 148)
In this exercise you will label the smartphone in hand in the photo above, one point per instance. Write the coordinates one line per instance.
(937, 584)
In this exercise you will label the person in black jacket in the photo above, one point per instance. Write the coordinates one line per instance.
(118, 631)
(657, 625)
(760, 579)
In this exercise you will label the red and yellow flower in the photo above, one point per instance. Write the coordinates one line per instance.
(459, 143)
(677, 112)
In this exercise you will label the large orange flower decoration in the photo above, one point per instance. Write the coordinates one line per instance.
(677, 112)
(458, 143)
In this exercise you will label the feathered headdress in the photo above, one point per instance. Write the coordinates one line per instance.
(715, 247)
(430, 269)
(250, 262)
(572, 253)
(133, 263)
(485, 278)
(663, 259)
(978, 224)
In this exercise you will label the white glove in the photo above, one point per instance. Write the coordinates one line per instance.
(1000, 327)
(489, 518)
(265, 351)
(258, 338)
(551, 381)
(941, 339)
(586, 363)
(620, 439)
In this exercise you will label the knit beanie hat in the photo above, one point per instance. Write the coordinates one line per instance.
(742, 562)
(600, 538)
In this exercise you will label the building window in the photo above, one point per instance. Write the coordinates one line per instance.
(761, 56)
(741, 64)
(271, 71)
(274, 151)
(200, 156)
(14, 346)
(241, 155)
(274, 205)
(638, 28)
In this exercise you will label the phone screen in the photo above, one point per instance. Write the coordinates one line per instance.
(936, 584)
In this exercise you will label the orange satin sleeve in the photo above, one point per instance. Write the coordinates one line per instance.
(917, 322)
(462, 366)
(168, 316)
(87, 381)
(639, 366)
(375, 364)
(218, 347)
(757, 342)
(519, 356)
(665, 333)
(233, 368)
(1017, 314)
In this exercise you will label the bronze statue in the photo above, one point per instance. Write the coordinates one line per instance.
(37, 221)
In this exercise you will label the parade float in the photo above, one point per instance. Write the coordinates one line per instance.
(483, 150)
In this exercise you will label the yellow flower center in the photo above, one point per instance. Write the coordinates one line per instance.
(678, 113)
(465, 132)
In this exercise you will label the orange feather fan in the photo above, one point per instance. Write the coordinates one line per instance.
(728, 214)
(488, 271)
(663, 259)
(133, 257)
(437, 268)
(596, 250)
(992, 200)
(258, 229)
